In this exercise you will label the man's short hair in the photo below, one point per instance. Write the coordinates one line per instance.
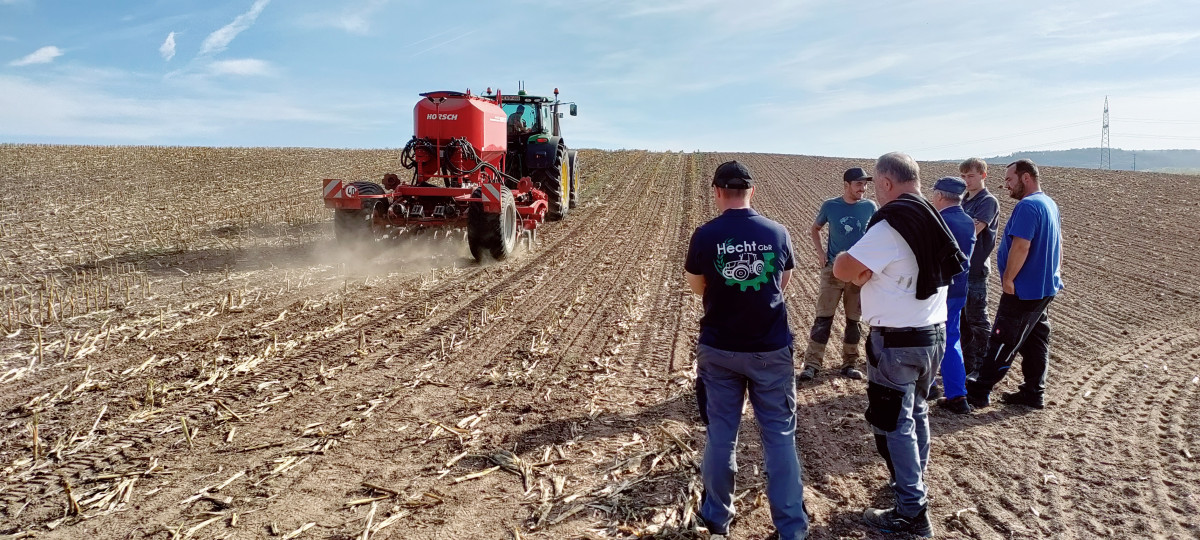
(955, 197)
(732, 193)
(1025, 166)
(898, 166)
(973, 165)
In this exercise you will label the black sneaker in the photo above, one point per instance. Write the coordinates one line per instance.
(808, 373)
(935, 393)
(851, 372)
(978, 401)
(891, 521)
(957, 405)
(1022, 398)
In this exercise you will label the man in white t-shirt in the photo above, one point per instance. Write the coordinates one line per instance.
(903, 263)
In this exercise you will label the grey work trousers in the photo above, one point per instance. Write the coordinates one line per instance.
(901, 366)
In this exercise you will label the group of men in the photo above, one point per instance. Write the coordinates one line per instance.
(914, 270)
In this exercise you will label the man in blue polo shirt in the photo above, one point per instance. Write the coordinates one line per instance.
(741, 262)
(1029, 260)
(947, 198)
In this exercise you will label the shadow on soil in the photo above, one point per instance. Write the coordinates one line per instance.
(842, 450)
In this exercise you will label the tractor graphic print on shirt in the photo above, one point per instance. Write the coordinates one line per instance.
(746, 265)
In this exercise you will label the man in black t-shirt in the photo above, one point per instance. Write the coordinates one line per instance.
(983, 208)
(741, 261)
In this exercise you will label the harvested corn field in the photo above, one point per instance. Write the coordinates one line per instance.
(188, 353)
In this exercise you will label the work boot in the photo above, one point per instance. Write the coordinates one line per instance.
(851, 372)
(891, 521)
(1022, 398)
(978, 401)
(956, 405)
(808, 373)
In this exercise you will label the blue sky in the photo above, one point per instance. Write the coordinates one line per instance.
(938, 79)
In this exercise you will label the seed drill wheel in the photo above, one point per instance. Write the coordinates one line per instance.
(351, 226)
(573, 165)
(556, 182)
(492, 234)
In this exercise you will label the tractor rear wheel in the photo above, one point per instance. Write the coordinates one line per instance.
(492, 234)
(573, 165)
(555, 181)
(351, 226)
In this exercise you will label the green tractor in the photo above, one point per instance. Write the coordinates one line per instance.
(536, 148)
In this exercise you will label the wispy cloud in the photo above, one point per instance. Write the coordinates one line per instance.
(71, 111)
(729, 17)
(848, 70)
(1106, 47)
(443, 42)
(219, 40)
(167, 49)
(7, 38)
(44, 55)
(241, 66)
(354, 19)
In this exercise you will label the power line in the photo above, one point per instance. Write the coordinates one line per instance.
(1105, 143)
(1002, 137)
(1148, 121)
(1145, 136)
(1061, 141)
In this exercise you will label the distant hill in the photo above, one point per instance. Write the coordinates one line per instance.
(1172, 161)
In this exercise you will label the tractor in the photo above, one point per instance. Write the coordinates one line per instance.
(747, 265)
(495, 165)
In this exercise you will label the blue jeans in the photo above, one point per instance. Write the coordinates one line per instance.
(769, 380)
(901, 365)
(954, 373)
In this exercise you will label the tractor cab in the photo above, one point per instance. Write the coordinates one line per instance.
(524, 119)
(535, 145)
(531, 121)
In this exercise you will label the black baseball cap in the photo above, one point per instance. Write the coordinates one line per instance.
(855, 174)
(732, 175)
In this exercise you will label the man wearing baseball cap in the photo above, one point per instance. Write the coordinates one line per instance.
(847, 217)
(947, 198)
(740, 262)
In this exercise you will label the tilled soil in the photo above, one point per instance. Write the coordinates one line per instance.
(246, 377)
